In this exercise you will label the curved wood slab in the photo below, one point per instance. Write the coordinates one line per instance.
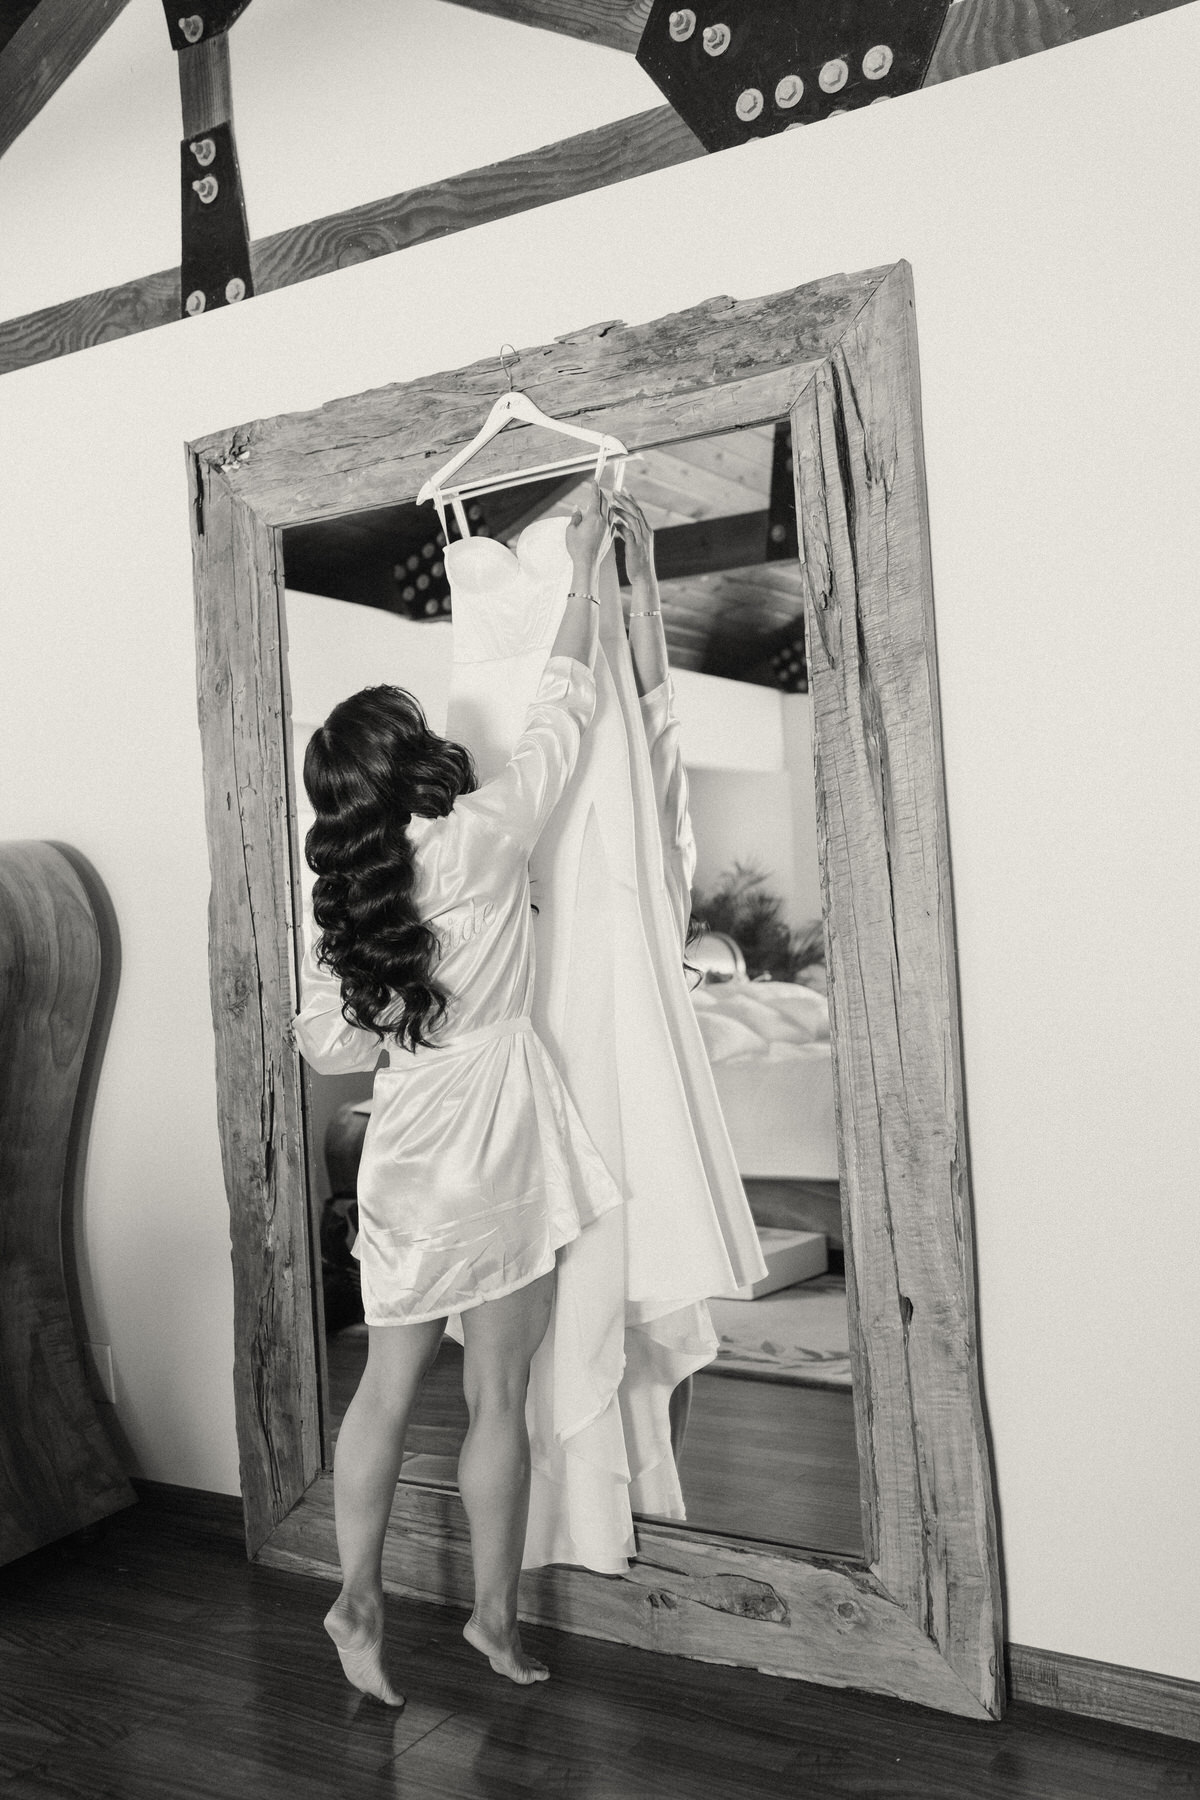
(58, 1470)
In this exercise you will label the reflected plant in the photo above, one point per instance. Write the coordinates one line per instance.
(744, 907)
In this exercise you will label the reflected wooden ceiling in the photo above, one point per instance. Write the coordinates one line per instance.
(724, 524)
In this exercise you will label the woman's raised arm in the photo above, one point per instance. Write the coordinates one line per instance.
(587, 540)
(647, 639)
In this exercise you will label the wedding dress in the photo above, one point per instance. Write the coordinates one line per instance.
(611, 1005)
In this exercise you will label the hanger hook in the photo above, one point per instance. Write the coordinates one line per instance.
(504, 365)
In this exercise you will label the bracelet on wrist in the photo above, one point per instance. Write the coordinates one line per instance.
(654, 612)
(578, 594)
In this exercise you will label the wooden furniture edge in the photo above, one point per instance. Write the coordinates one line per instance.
(59, 1466)
(973, 39)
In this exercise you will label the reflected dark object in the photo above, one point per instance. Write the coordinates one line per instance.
(790, 664)
(783, 543)
(196, 20)
(718, 956)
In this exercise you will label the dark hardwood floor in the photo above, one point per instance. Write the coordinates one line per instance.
(148, 1660)
(763, 1459)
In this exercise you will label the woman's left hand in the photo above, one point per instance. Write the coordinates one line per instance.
(630, 524)
(587, 529)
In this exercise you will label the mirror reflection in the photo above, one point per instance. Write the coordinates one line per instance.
(760, 1420)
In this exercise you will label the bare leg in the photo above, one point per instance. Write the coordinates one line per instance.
(493, 1466)
(365, 1471)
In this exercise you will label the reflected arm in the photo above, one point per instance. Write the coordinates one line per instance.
(323, 1037)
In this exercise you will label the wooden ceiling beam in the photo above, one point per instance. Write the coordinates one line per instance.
(979, 34)
(618, 24)
(42, 52)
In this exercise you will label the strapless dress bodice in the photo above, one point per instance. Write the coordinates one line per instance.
(507, 601)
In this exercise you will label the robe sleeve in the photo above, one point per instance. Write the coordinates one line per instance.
(521, 798)
(671, 801)
(324, 1038)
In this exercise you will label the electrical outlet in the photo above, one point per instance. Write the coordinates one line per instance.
(100, 1370)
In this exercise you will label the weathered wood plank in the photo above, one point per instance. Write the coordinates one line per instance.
(205, 84)
(929, 1522)
(42, 52)
(982, 34)
(714, 367)
(97, 318)
(58, 1471)
(813, 1618)
(391, 462)
(577, 165)
(617, 23)
(250, 967)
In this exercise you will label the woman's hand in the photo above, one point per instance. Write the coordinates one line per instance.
(631, 526)
(647, 639)
(587, 533)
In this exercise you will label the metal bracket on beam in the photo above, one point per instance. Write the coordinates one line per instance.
(739, 69)
(192, 21)
(215, 263)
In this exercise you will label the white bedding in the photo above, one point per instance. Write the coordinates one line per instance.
(768, 1043)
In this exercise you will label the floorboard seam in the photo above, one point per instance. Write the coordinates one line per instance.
(393, 1760)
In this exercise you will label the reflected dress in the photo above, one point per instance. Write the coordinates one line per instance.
(609, 877)
(476, 1167)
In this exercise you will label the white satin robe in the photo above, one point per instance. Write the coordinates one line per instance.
(611, 874)
(476, 1168)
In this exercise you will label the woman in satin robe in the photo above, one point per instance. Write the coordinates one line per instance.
(476, 1167)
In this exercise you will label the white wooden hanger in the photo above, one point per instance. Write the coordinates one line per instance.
(517, 408)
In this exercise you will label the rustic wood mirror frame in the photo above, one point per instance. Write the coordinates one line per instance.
(920, 1617)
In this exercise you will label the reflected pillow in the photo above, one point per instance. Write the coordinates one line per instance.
(779, 1011)
(725, 1037)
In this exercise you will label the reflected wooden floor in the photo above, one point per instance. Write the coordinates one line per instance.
(150, 1661)
(763, 1459)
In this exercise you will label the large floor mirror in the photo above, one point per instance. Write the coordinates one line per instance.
(769, 1451)
(835, 1466)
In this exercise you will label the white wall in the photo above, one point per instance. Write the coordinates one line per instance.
(749, 756)
(1042, 206)
(727, 724)
(744, 819)
(796, 718)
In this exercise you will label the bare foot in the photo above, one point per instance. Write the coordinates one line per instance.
(357, 1632)
(506, 1654)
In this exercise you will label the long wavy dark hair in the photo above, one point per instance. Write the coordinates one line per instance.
(370, 767)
